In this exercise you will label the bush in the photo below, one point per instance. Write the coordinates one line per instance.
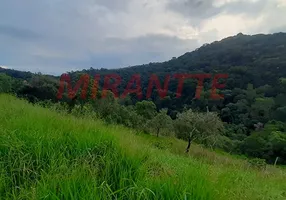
(257, 163)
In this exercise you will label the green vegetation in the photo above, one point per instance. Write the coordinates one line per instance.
(252, 113)
(50, 155)
(204, 127)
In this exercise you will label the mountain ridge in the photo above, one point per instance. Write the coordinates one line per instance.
(228, 41)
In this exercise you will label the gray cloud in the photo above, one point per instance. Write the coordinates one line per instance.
(195, 9)
(54, 36)
(114, 53)
(114, 5)
(60, 35)
(250, 8)
(200, 10)
(278, 29)
(145, 49)
(15, 32)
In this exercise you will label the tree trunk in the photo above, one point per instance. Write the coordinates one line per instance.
(158, 131)
(190, 139)
(189, 145)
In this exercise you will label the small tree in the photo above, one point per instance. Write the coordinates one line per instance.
(202, 126)
(160, 121)
(147, 109)
(5, 83)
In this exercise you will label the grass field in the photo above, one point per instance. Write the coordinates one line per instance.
(49, 155)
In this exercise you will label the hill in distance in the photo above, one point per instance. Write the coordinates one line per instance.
(240, 50)
(258, 54)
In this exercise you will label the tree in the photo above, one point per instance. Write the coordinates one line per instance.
(193, 125)
(107, 108)
(6, 83)
(147, 109)
(250, 93)
(39, 88)
(160, 121)
(280, 114)
(268, 144)
(261, 109)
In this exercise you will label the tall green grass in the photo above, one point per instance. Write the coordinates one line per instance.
(49, 155)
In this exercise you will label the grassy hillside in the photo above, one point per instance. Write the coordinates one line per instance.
(46, 155)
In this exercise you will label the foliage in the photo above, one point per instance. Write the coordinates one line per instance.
(147, 109)
(159, 122)
(204, 127)
(257, 163)
(268, 144)
(6, 83)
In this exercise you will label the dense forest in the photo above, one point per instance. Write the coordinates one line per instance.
(249, 120)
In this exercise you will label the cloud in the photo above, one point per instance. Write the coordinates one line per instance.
(194, 10)
(133, 51)
(198, 11)
(15, 32)
(60, 35)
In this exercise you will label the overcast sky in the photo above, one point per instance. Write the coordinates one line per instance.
(55, 36)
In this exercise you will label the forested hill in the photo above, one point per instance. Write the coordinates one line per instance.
(259, 60)
(262, 58)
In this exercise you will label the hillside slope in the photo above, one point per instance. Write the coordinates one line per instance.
(56, 156)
